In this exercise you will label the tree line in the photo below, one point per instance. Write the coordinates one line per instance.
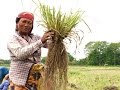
(97, 53)
(102, 53)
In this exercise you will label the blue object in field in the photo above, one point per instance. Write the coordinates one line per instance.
(4, 85)
(3, 72)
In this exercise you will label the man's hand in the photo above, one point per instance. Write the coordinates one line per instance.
(47, 36)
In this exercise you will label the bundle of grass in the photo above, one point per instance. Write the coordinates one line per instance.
(57, 59)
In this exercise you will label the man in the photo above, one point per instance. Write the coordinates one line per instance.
(25, 50)
(3, 71)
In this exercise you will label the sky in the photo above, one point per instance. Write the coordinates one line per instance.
(102, 16)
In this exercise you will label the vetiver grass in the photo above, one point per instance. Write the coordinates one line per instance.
(63, 25)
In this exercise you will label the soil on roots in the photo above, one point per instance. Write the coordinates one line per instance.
(56, 62)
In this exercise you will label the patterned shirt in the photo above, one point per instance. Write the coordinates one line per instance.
(24, 52)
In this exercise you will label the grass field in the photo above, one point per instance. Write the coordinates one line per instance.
(93, 78)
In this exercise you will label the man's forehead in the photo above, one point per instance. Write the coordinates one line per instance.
(25, 19)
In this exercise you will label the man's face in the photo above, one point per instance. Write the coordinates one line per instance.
(24, 26)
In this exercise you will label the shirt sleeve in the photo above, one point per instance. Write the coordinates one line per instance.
(5, 85)
(1, 86)
(22, 52)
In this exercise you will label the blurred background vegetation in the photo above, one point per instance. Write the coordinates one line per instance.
(98, 53)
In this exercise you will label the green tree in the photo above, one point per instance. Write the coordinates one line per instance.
(113, 54)
(95, 52)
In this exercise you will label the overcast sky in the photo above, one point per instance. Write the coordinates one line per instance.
(103, 17)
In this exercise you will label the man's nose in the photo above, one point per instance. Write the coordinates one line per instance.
(26, 24)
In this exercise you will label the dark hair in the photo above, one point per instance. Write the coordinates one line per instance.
(17, 20)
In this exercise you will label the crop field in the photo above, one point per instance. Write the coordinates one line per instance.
(93, 78)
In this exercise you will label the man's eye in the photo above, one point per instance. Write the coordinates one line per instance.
(23, 21)
(29, 23)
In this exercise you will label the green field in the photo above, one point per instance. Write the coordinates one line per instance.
(93, 77)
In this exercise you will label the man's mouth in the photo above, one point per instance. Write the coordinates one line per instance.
(27, 29)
